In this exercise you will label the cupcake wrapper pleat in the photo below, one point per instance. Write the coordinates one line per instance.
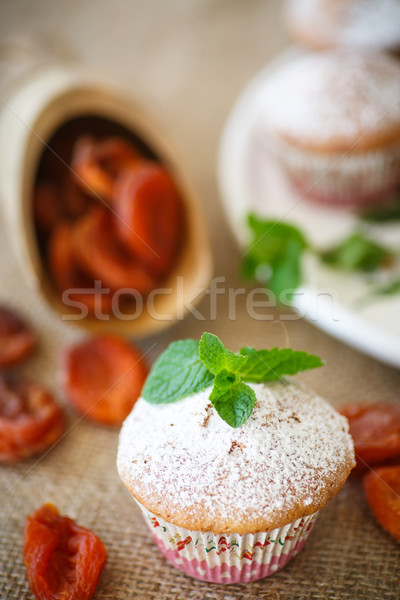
(346, 178)
(229, 558)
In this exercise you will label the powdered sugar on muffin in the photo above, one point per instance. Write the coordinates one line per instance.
(332, 121)
(287, 460)
(334, 100)
(361, 23)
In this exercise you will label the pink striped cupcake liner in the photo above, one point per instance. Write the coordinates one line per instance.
(354, 179)
(229, 558)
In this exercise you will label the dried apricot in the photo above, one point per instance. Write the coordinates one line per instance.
(376, 431)
(30, 420)
(96, 164)
(103, 377)
(46, 206)
(148, 204)
(63, 560)
(75, 201)
(17, 340)
(68, 276)
(100, 253)
(382, 487)
(63, 267)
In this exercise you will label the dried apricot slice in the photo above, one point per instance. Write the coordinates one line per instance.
(97, 163)
(63, 560)
(148, 204)
(30, 420)
(382, 487)
(75, 201)
(17, 340)
(103, 377)
(68, 276)
(46, 206)
(99, 252)
(376, 431)
(63, 267)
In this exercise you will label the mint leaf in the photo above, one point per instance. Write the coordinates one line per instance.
(271, 365)
(382, 214)
(286, 275)
(225, 379)
(187, 367)
(233, 400)
(178, 372)
(216, 357)
(274, 255)
(388, 289)
(357, 253)
(233, 404)
(274, 229)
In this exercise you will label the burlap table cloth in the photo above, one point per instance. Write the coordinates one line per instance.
(188, 61)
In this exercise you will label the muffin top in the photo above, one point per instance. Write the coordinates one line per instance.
(334, 101)
(361, 23)
(186, 465)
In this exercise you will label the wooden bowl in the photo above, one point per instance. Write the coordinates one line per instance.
(35, 109)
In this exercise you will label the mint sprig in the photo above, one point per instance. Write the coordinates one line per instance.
(216, 357)
(270, 365)
(382, 214)
(357, 253)
(275, 254)
(390, 288)
(188, 366)
(234, 404)
(176, 373)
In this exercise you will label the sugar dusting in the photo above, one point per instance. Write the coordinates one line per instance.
(363, 23)
(285, 454)
(331, 96)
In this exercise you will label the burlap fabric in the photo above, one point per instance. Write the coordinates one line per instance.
(188, 60)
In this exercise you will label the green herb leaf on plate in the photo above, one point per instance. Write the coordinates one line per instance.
(271, 365)
(357, 253)
(388, 289)
(286, 275)
(385, 213)
(274, 255)
(178, 372)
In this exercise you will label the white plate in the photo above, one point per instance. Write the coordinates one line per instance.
(329, 298)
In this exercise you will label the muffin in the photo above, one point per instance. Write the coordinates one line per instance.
(232, 505)
(332, 120)
(352, 23)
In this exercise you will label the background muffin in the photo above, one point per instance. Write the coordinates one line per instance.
(332, 119)
(233, 505)
(354, 23)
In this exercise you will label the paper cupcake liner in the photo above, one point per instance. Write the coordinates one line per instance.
(229, 558)
(352, 179)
